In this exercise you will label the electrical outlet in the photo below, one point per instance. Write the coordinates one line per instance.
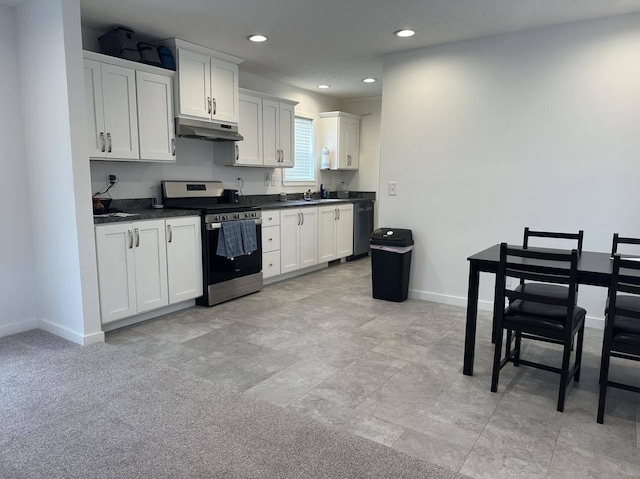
(273, 179)
(238, 182)
(267, 179)
(112, 179)
(393, 188)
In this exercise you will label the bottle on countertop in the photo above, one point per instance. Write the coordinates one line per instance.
(323, 192)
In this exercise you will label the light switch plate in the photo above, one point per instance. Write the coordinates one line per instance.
(393, 188)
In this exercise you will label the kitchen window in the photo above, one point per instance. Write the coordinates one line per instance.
(303, 173)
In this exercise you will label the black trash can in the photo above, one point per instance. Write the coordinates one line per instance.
(390, 263)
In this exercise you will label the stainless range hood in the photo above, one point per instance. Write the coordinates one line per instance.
(207, 130)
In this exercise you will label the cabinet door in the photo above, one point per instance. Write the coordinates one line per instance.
(150, 265)
(271, 133)
(309, 237)
(116, 272)
(286, 136)
(95, 111)
(155, 117)
(353, 143)
(290, 220)
(184, 259)
(327, 216)
(250, 149)
(120, 112)
(344, 231)
(224, 91)
(343, 132)
(194, 80)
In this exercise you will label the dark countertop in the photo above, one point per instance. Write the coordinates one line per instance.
(145, 214)
(277, 205)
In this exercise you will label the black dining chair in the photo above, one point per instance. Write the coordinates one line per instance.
(618, 240)
(540, 317)
(622, 327)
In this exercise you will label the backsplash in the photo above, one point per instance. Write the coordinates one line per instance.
(194, 161)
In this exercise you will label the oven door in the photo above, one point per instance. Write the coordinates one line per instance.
(220, 268)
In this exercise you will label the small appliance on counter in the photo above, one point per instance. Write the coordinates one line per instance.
(231, 196)
(283, 197)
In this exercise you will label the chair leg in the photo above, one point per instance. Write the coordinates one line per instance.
(564, 374)
(604, 378)
(496, 361)
(507, 346)
(576, 376)
(516, 358)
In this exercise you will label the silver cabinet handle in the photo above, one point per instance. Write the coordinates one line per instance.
(270, 239)
(130, 236)
(137, 232)
(109, 140)
(215, 106)
(338, 214)
(209, 104)
(237, 153)
(103, 142)
(270, 218)
(302, 217)
(170, 233)
(173, 147)
(335, 214)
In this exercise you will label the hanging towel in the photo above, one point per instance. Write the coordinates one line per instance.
(249, 239)
(230, 240)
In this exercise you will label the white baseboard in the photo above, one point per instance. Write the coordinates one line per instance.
(19, 327)
(484, 305)
(73, 336)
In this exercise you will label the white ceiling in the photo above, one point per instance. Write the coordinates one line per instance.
(338, 42)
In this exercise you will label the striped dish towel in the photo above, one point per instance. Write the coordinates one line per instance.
(230, 240)
(249, 238)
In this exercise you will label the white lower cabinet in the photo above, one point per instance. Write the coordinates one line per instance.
(298, 238)
(138, 269)
(335, 232)
(184, 258)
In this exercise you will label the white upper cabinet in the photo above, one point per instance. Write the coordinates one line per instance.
(207, 83)
(267, 126)
(129, 110)
(155, 117)
(340, 133)
(112, 112)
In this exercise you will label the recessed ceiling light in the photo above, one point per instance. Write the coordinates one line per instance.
(324, 87)
(369, 80)
(404, 33)
(257, 38)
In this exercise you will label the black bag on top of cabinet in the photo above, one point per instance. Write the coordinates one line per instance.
(120, 42)
(149, 54)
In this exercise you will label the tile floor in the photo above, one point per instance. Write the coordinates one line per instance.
(392, 373)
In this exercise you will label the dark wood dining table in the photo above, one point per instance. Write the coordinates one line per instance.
(593, 269)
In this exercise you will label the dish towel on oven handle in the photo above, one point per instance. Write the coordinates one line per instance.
(230, 240)
(249, 238)
(237, 238)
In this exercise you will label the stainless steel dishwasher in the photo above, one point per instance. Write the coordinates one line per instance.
(362, 228)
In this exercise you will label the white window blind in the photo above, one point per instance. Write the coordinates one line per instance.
(304, 169)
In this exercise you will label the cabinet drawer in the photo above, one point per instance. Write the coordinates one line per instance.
(270, 218)
(270, 238)
(270, 264)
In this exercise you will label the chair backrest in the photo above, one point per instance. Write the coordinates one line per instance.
(621, 284)
(538, 266)
(617, 239)
(555, 235)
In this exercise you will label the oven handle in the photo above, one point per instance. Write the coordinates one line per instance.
(217, 226)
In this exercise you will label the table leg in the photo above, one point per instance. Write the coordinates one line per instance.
(472, 316)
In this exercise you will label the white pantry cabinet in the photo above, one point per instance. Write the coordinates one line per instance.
(148, 264)
(340, 133)
(207, 82)
(184, 258)
(335, 232)
(298, 238)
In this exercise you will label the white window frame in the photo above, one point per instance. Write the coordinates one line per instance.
(313, 182)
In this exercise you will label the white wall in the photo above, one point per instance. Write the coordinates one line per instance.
(486, 137)
(18, 296)
(194, 158)
(50, 52)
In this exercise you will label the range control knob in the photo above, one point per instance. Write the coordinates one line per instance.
(236, 216)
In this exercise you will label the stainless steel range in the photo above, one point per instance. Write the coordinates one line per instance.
(224, 278)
